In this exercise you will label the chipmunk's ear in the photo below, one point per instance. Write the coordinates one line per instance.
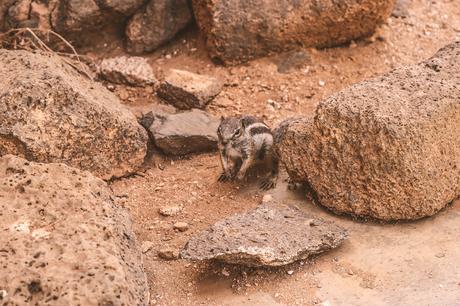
(243, 123)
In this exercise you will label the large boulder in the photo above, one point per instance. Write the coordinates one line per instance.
(239, 30)
(155, 24)
(51, 113)
(387, 148)
(64, 240)
(266, 236)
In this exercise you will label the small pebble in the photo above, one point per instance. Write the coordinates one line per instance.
(146, 246)
(168, 254)
(181, 226)
(170, 210)
(225, 272)
(290, 272)
(267, 198)
(321, 83)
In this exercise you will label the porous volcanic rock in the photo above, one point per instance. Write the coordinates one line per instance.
(239, 30)
(133, 70)
(4, 6)
(182, 133)
(155, 24)
(68, 17)
(387, 148)
(50, 113)
(64, 240)
(76, 16)
(266, 236)
(186, 90)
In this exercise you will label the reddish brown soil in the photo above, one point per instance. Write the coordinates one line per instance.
(398, 264)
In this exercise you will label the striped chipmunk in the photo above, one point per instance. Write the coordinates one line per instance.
(244, 142)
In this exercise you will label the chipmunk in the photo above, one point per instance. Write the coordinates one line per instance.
(243, 142)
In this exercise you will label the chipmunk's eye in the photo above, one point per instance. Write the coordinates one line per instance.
(237, 132)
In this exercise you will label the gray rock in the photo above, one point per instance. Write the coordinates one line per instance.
(51, 113)
(75, 16)
(18, 13)
(266, 236)
(182, 133)
(155, 24)
(387, 148)
(135, 71)
(64, 240)
(186, 90)
(4, 6)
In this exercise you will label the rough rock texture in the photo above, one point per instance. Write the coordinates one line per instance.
(182, 133)
(401, 9)
(74, 16)
(69, 17)
(50, 113)
(155, 24)
(135, 71)
(387, 148)
(266, 236)
(186, 90)
(64, 240)
(239, 30)
(286, 129)
(4, 6)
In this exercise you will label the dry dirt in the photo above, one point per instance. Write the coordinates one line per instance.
(414, 263)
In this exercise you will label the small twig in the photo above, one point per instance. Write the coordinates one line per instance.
(44, 47)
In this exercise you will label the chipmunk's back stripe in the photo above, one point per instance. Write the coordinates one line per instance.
(261, 129)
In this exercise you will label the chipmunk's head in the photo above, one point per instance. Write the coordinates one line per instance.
(230, 129)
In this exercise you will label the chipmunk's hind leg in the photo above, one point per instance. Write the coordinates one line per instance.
(270, 181)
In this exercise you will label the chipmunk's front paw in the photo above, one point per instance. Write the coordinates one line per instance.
(268, 183)
(224, 177)
(240, 176)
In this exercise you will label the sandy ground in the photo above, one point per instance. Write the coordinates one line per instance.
(415, 263)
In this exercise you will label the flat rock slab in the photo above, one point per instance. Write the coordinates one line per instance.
(182, 133)
(155, 24)
(387, 148)
(186, 90)
(130, 70)
(65, 241)
(239, 30)
(51, 113)
(266, 236)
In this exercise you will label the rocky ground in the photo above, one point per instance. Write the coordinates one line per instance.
(175, 198)
(399, 264)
